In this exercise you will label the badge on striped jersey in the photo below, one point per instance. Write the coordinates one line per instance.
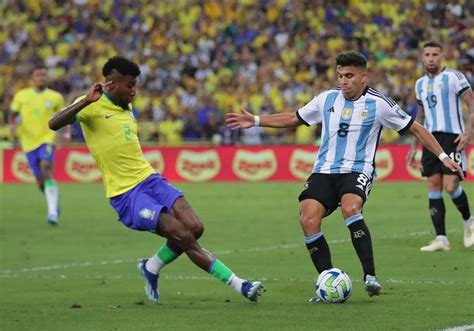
(346, 113)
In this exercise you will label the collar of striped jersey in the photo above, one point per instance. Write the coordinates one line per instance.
(363, 93)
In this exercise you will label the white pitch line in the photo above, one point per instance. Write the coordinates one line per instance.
(460, 328)
(7, 273)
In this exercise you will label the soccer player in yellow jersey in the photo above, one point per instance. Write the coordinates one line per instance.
(31, 109)
(143, 200)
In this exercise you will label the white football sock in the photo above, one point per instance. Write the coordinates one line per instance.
(154, 264)
(236, 283)
(468, 222)
(443, 238)
(52, 193)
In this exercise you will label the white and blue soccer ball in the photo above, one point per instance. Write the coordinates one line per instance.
(333, 285)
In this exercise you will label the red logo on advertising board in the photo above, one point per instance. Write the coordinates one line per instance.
(415, 170)
(20, 168)
(301, 163)
(383, 163)
(254, 166)
(81, 166)
(156, 160)
(198, 166)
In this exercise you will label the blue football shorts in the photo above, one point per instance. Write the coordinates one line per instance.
(139, 208)
(44, 152)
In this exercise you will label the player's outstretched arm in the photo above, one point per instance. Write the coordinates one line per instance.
(246, 120)
(432, 145)
(420, 118)
(464, 139)
(68, 115)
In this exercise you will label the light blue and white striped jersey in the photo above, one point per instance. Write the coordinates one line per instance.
(351, 129)
(440, 97)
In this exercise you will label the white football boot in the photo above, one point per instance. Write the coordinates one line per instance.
(469, 233)
(436, 245)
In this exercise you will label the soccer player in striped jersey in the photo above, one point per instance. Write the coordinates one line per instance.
(31, 109)
(352, 117)
(440, 93)
(143, 200)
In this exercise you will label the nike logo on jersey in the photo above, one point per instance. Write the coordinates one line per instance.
(108, 116)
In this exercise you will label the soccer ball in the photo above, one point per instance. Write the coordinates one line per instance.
(333, 285)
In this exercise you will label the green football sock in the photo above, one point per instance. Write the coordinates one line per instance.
(220, 271)
(166, 254)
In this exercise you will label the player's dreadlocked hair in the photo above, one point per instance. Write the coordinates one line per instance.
(351, 59)
(122, 65)
(433, 44)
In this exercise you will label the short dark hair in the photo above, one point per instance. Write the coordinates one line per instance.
(122, 65)
(433, 44)
(39, 66)
(352, 58)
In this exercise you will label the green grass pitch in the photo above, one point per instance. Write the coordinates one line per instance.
(89, 262)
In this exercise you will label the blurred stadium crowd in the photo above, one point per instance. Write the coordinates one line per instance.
(203, 58)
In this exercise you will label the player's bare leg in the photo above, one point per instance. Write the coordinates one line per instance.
(169, 252)
(185, 214)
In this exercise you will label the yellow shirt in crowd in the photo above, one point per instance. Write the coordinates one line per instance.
(35, 110)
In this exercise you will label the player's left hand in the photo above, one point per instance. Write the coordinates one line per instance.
(411, 157)
(463, 141)
(453, 166)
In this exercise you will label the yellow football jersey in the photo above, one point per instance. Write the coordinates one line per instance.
(35, 110)
(111, 135)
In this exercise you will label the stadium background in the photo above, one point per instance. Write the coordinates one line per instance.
(200, 60)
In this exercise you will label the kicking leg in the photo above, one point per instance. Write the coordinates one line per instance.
(169, 252)
(177, 234)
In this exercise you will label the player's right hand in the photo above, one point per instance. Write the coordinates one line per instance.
(240, 121)
(96, 90)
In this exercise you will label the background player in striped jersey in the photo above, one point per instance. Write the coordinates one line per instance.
(439, 93)
(143, 199)
(31, 109)
(352, 117)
